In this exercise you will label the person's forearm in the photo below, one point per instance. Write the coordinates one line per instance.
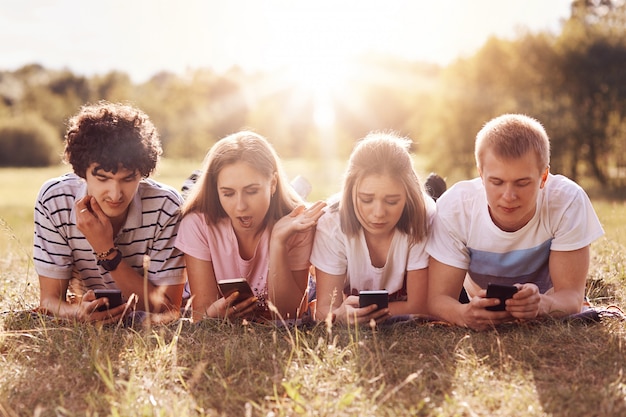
(447, 309)
(560, 303)
(59, 308)
(398, 308)
(284, 292)
(149, 297)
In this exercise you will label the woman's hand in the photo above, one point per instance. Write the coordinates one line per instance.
(226, 307)
(300, 219)
(350, 313)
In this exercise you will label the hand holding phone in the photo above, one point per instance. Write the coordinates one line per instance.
(229, 286)
(113, 295)
(378, 297)
(503, 292)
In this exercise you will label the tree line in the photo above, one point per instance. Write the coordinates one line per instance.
(572, 81)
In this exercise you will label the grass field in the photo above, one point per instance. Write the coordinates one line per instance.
(214, 368)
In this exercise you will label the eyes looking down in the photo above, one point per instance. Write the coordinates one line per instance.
(245, 194)
(512, 187)
(112, 191)
(379, 201)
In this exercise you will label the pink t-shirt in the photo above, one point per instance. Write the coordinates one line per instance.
(217, 243)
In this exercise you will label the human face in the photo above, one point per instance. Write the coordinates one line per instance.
(512, 187)
(245, 195)
(113, 192)
(379, 202)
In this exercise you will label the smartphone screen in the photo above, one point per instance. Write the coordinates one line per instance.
(503, 292)
(378, 297)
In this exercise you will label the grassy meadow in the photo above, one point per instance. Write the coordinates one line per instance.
(216, 368)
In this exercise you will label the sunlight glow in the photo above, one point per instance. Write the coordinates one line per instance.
(311, 44)
(319, 80)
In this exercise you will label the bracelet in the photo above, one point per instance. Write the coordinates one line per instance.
(103, 255)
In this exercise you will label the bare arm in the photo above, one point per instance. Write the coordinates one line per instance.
(52, 300)
(206, 298)
(444, 287)
(330, 300)
(569, 274)
(329, 290)
(286, 288)
(417, 294)
(568, 270)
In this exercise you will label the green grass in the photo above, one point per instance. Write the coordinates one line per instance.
(214, 368)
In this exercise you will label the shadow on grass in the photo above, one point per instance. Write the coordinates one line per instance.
(541, 368)
(560, 369)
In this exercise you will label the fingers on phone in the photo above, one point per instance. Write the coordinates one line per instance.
(383, 313)
(232, 297)
(371, 312)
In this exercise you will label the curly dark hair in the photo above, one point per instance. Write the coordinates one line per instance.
(113, 135)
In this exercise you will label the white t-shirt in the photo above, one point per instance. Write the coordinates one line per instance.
(465, 237)
(336, 254)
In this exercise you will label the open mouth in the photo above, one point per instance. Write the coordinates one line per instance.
(245, 221)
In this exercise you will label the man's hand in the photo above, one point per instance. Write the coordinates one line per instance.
(94, 224)
(88, 306)
(477, 317)
(525, 303)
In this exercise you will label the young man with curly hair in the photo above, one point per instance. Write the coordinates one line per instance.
(95, 228)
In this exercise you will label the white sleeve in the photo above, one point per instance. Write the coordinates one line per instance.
(578, 225)
(329, 251)
(446, 242)
(418, 257)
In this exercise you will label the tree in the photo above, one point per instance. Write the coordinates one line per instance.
(29, 141)
(502, 77)
(593, 48)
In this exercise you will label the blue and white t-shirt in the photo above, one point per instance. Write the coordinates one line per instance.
(464, 235)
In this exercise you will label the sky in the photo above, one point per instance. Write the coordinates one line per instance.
(143, 37)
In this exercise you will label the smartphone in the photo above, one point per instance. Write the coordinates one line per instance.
(503, 292)
(114, 296)
(229, 286)
(378, 297)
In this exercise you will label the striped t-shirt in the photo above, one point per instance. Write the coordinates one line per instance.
(62, 252)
